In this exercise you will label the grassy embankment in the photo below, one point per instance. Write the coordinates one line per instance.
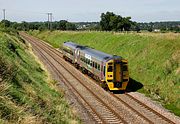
(27, 94)
(154, 59)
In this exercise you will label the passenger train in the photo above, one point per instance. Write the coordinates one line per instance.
(110, 70)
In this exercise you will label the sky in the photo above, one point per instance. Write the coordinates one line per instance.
(90, 10)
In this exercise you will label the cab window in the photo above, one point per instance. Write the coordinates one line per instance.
(110, 68)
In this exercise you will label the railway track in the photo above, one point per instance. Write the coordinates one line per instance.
(161, 117)
(142, 109)
(102, 111)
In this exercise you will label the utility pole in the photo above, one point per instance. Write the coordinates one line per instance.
(4, 14)
(49, 21)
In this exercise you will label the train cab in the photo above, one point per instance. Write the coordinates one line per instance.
(117, 75)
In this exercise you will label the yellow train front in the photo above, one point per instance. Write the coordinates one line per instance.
(117, 75)
(110, 70)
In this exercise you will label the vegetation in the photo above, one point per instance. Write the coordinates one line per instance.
(26, 26)
(154, 58)
(162, 26)
(27, 94)
(112, 22)
(109, 22)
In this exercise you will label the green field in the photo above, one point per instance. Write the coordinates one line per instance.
(154, 58)
(27, 94)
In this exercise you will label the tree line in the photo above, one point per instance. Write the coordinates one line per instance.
(25, 26)
(162, 26)
(109, 22)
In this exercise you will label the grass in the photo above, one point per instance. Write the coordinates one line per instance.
(154, 58)
(27, 93)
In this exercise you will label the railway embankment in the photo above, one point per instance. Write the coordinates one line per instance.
(154, 59)
(27, 92)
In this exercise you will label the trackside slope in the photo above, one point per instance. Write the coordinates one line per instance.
(27, 94)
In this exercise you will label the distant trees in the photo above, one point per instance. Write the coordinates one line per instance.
(65, 25)
(150, 29)
(25, 26)
(6, 23)
(62, 25)
(162, 26)
(111, 22)
(70, 26)
(137, 29)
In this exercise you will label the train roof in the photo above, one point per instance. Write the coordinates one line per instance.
(97, 54)
(92, 52)
(71, 44)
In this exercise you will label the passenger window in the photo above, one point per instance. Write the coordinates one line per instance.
(88, 62)
(85, 60)
(110, 69)
(91, 63)
(98, 67)
(95, 65)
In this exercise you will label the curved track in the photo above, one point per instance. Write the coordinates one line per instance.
(101, 110)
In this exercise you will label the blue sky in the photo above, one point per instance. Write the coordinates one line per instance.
(90, 10)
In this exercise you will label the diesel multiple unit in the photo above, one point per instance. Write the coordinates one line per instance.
(110, 70)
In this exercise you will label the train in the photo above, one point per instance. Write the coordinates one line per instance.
(111, 71)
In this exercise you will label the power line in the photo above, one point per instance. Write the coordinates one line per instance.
(50, 15)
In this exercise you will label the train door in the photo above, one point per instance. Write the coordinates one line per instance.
(109, 72)
(118, 72)
(102, 70)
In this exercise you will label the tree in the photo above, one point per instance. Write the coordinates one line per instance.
(25, 26)
(176, 29)
(41, 28)
(105, 19)
(127, 23)
(110, 21)
(6, 23)
(62, 24)
(70, 26)
(150, 29)
(137, 28)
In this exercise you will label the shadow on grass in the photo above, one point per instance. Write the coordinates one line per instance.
(132, 86)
